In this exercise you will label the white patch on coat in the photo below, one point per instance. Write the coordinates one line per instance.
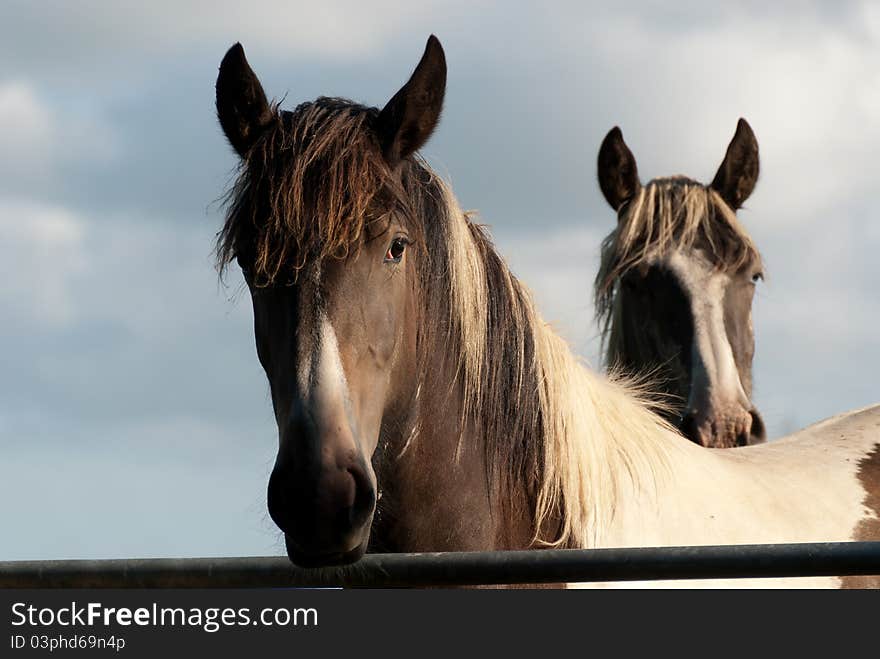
(802, 488)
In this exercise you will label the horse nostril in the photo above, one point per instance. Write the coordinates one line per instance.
(364, 497)
(688, 428)
(278, 502)
(758, 433)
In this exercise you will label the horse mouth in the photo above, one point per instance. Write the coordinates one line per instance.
(306, 559)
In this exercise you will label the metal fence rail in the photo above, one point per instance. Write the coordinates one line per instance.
(458, 569)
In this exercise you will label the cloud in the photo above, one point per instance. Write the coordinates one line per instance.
(119, 318)
(558, 266)
(132, 392)
(810, 92)
(39, 142)
(43, 249)
(94, 35)
(25, 130)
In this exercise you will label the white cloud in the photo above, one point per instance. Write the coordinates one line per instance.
(809, 86)
(43, 251)
(335, 30)
(25, 129)
(338, 30)
(558, 266)
(36, 138)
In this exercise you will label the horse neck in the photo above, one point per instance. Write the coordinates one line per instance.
(435, 489)
(605, 446)
(547, 448)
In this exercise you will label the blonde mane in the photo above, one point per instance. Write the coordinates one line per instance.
(574, 438)
(565, 438)
(666, 214)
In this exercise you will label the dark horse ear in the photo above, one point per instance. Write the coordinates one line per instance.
(618, 174)
(241, 102)
(738, 173)
(408, 119)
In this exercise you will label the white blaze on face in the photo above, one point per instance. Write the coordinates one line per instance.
(320, 373)
(715, 381)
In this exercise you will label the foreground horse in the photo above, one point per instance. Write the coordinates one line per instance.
(422, 404)
(675, 286)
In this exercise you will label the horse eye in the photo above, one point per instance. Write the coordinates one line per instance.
(758, 276)
(395, 250)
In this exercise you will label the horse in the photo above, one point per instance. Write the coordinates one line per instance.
(422, 403)
(674, 289)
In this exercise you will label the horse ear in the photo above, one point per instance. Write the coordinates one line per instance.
(738, 173)
(618, 173)
(241, 102)
(408, 119)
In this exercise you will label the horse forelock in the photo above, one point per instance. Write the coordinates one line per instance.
(308, 189)
(667, 214)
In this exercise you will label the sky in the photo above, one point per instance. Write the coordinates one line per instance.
(134, 417)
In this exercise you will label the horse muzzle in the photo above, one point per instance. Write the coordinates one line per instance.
(325, 517)
(724, 428)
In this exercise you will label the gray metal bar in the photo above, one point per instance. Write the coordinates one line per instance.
(458, 569)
